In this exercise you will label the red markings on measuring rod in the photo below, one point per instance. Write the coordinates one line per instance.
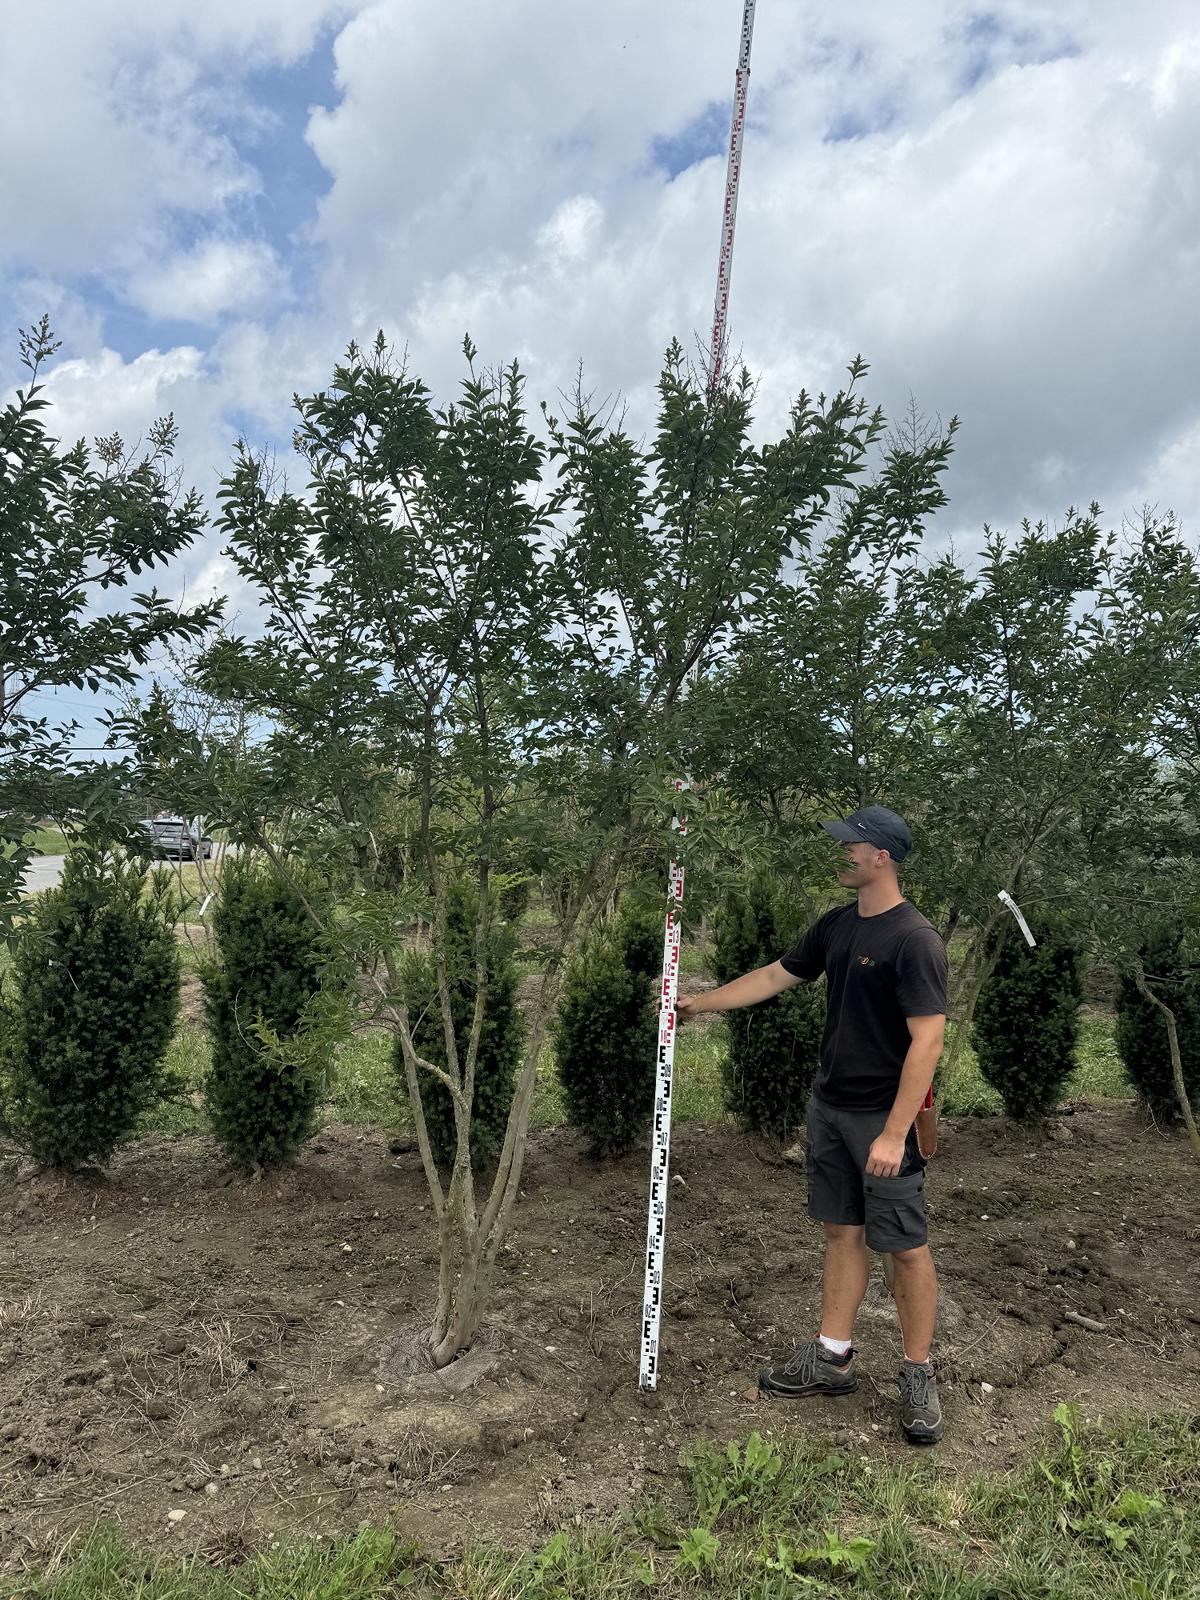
(660, 1138)
(732, 177)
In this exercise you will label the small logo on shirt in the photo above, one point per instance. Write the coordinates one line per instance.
(865, 961)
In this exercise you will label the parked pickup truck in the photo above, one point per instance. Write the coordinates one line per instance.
(172, 836)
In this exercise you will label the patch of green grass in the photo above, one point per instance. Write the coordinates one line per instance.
(48, 842)
(193, 949)
(695, 961)
(1110, 1513)
(191, 881)
(697, 1086)
(363, 1091)
(1099, 1074)
(549, 1103)
(539, 915)
(187, 1061)
(366, 1089)
(698, 1094)
(371, 1566)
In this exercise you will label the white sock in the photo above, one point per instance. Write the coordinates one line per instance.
(836, 1347)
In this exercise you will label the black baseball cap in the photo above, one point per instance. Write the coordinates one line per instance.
(874, 825)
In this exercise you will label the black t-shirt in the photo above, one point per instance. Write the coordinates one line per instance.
(878, 972)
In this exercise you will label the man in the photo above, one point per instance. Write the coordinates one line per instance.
(885, 1017)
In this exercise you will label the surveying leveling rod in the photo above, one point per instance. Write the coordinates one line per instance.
(660, 1156)
(732, 173)
(660, 1159)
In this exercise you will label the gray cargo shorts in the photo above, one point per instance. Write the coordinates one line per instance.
(841, 1191)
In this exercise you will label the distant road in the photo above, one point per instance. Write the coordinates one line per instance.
(43, 872)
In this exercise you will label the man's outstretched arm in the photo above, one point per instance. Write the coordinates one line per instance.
(749, 990)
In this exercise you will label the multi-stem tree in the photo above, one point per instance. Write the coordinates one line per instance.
(494, 638)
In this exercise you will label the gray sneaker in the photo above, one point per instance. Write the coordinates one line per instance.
(810, 1369)
(920, 1408)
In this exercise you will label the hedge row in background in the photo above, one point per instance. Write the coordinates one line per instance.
(93, 1002)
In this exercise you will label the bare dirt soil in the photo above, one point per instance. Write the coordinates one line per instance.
(173, 1341)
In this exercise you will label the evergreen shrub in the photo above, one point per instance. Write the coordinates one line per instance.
(605, 1039)
(1027, 1021)
(269, 1070)
(774, 1049)
(1142, 1028)
(96, 998)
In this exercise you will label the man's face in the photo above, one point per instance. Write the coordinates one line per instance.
(858, 864)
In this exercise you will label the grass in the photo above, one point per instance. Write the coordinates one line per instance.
(48, 842)
(190, 881)
(1099, 1073)
(1113, 1514)
(187, 1062)
(366, 1092)
(364, 1089)
(695, 962)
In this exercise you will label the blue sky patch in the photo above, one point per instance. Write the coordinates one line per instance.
(993, 44)
(860, 123)
(293, 180)
(704, 136)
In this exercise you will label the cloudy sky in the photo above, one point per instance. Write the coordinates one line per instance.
(999, 207)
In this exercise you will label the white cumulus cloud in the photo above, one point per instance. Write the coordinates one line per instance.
(214, 277)
(998, 207)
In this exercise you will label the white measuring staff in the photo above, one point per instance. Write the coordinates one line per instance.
(1016, 911)
(660, 1158)
(733, 173)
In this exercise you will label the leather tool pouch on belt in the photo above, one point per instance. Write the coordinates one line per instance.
(926, 1128)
